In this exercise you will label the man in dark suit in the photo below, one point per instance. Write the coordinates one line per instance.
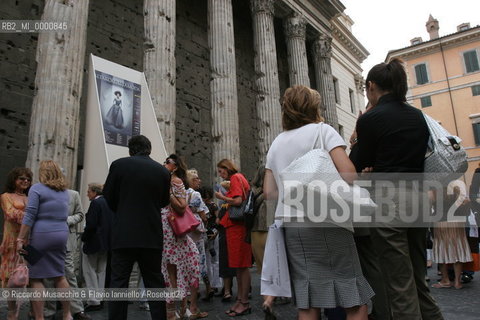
(136, 190)
(97, 243)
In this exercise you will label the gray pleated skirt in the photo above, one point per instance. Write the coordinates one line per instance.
(324, 267)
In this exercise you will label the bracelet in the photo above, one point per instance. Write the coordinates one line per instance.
(20, 240)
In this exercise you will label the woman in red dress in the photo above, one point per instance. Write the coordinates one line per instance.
(239, 251)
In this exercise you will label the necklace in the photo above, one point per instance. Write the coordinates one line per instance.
(19, 193)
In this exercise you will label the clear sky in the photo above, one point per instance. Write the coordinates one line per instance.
(383, 25)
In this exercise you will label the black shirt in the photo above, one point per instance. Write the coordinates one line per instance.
(392, 137)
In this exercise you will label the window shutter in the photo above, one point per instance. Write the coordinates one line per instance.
(471, 61)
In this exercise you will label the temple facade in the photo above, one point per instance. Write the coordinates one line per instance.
(216, 70)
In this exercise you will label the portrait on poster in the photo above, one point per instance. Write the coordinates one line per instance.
(119, 106)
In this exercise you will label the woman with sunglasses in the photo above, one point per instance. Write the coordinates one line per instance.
(180, 263)
(13, 203)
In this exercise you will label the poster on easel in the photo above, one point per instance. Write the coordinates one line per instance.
(119, 107)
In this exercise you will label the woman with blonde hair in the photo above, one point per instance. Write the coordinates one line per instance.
(45, 228)
(324, 267)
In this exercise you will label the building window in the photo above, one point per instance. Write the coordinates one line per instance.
(471, 61)
(336, 90)
(352, 100)
(421, 73)
(426, 101)
(476, 90)
(476, 133)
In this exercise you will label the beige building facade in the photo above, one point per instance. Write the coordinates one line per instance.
(444, 81)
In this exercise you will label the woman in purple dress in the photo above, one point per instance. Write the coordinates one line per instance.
(44, 227)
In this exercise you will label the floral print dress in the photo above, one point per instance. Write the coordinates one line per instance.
(14, 211)
(181, 252)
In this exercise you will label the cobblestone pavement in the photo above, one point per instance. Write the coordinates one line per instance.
(455, 304)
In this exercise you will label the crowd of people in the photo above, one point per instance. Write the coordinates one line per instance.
(129, 221)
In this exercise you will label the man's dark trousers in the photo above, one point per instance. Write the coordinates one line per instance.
(150, 264)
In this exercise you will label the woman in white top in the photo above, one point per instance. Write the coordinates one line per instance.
(323, 261)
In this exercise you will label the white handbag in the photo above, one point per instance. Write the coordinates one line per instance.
(446, 160)
(326, 196)
(275, 278)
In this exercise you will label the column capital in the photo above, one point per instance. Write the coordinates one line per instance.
(322, 46)
(295, 26)
(359, 82)
(266, 6)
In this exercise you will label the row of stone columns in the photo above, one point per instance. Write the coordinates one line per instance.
(55, 121)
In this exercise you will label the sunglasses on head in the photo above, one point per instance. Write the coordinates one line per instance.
(169, 161)
(24, 179)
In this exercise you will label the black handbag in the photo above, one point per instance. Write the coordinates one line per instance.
(237, 213)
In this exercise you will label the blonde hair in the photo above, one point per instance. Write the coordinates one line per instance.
(300, 106)
(51, 175)
(225, 184)
(191, 174)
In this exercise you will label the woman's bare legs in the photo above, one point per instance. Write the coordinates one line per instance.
(12, 310)
(172, 276)
(357, 313)
(243, 282)
(227, 286)
(37, 305)
(457, 268)
(309, 314)
(62, 283)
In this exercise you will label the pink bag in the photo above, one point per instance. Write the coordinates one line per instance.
(19, 276)
(182, 224)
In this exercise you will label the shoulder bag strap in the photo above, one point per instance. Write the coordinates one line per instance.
(243, 189)
(317, 136)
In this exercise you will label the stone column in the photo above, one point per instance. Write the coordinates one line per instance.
(159, 64)
(322, 56)
(295, 27)
(266, 74)
(223, 85)
(54, 123)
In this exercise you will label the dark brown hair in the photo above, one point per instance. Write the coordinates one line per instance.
(300, 106)
(13, 176)
(390, 77)
(228, 165)
(181, 171)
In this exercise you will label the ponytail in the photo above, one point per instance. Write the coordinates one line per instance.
(390, 77)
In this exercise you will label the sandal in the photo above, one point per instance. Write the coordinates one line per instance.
(227, 297)
(234, 313)
(197, 315)
(440, 285)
